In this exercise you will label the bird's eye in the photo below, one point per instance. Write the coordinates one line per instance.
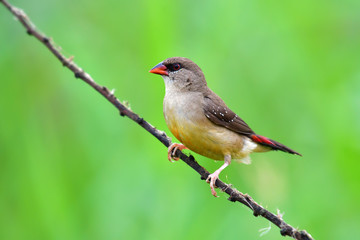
(174, 67)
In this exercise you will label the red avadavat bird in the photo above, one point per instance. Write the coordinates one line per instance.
(202, 122)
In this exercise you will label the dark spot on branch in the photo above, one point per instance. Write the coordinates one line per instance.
(29, 32)
(286, 230)
(105, 89)
(140, 120)
(46, 40)
(232, 198)
(78, 74)
(258, 211)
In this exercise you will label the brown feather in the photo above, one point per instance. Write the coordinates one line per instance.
(217, 112)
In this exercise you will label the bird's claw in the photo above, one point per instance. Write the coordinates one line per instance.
(172, 150)
(212, 179)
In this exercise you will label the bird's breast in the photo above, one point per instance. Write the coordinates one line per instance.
(182, 114)
(185, 118)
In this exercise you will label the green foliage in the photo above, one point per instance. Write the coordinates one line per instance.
(71, 168)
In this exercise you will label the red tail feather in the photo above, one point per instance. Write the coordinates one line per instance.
(261, 139)
(273, 144)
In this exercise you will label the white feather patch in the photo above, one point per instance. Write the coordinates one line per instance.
(248, 148)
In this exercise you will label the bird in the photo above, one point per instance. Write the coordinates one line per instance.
(202, 122)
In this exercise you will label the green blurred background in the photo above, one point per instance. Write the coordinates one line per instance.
(71, 168)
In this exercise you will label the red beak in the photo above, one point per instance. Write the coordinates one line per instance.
(160, 69)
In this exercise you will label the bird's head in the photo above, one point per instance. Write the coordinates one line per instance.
(180, 74)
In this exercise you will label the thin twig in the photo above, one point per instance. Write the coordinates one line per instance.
(235, 195)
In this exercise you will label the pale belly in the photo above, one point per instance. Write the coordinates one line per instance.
(190, 126)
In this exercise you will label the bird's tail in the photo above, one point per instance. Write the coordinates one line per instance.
(273, 144)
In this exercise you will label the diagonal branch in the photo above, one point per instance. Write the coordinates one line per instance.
(235, 195)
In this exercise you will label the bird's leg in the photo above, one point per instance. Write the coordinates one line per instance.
(172, 150)
(214, 176)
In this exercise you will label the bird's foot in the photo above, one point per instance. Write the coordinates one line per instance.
(215, 176)
(212, 179)
(172, 150)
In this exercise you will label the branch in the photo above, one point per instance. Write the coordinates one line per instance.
(235, 195)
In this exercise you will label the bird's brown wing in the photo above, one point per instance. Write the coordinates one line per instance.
(218, 113)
